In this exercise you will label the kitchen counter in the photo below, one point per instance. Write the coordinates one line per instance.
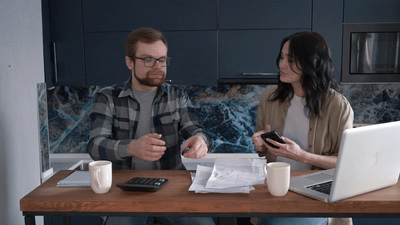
(69, 161)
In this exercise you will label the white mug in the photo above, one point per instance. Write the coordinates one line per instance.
(278, 178)
(100, 176)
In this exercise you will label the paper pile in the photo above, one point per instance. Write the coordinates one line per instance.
(228, 176)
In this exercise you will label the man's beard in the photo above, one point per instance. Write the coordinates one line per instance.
(150, 82)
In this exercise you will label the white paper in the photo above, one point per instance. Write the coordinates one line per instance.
(201, 177)
(236, 172)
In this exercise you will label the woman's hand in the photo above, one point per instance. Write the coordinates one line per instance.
(292, 150)
(289, 150)
(259, 144)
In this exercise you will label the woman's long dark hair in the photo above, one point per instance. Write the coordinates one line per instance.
(309, 52)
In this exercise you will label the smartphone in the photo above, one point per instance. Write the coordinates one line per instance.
(274, 136)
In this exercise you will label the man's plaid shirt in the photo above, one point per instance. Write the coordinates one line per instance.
(114, 120)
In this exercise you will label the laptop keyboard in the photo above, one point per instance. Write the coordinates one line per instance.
(322, 187)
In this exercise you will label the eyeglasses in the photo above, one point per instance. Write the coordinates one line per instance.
(151, 62)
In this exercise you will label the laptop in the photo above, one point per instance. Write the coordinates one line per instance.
(368, 160)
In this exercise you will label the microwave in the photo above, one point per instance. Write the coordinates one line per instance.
(371, 53)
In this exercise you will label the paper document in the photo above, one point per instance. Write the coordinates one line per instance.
(200, 180)
(230, 172)
(229, 176)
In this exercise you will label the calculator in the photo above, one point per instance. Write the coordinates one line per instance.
(143, 184)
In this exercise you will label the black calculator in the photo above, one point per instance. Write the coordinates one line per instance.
(143, 184)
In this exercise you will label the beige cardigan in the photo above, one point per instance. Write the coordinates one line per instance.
(325, 133)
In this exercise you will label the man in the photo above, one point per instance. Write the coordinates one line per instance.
(137, 124)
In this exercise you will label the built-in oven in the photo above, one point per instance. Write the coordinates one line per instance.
(371, 53)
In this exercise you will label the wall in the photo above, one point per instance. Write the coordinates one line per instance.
(21, 68)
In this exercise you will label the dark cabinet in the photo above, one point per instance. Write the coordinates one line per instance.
(88, 39)
(209, 40)
(193, 53)
(194, 57)
(67, 44)
(327, 20)
(261, 14)
(250, 55)
(189, 26)
(125, 15)
(105, 58)
(371, 11)
(251, 34)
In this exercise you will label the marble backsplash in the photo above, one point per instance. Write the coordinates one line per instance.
(43, 126)
(228, 112)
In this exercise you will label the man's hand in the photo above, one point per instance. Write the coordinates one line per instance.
(197, 147)
(148, 147)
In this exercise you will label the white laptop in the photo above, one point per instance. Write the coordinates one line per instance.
(368, 160)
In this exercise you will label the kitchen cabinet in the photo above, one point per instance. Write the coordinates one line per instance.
(125, 15)
(189, 27)
(327, 20)
(251, 34)
(193, 53)
(67, 45)
(261, 14)
(209, 41)
(88, 39)
(246, 53)
(371, 11)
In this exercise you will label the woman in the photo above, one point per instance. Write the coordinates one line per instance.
(306, 109)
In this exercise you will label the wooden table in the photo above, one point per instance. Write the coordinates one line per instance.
(174, 199)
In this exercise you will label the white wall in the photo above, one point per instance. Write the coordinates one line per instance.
(21, 68)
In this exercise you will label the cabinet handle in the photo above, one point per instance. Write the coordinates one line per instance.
(55, 63)
(260, 74)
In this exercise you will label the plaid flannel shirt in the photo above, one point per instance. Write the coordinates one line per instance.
(114, 120)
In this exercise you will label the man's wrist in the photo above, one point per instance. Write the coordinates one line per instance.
(125, 150)
(203, 136)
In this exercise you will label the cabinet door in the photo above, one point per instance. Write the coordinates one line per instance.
(125, 15)
(327, 20)
(67, 38)
(250, 51)
(194, 57)
(371, 11)
(262, 14)
(105, 58)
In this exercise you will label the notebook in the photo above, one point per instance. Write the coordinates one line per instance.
(76, 179)
(368, 160)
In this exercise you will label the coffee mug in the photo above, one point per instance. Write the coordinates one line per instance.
(278, 178)
(100, 176)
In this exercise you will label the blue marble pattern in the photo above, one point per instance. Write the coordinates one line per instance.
(373, 103)
(228, 112)
(68, 109)
(43, 126)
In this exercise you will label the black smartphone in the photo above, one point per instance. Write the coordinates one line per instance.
(274, 136)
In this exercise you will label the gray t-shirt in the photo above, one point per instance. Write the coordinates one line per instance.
(296, 128)
(145, 99)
